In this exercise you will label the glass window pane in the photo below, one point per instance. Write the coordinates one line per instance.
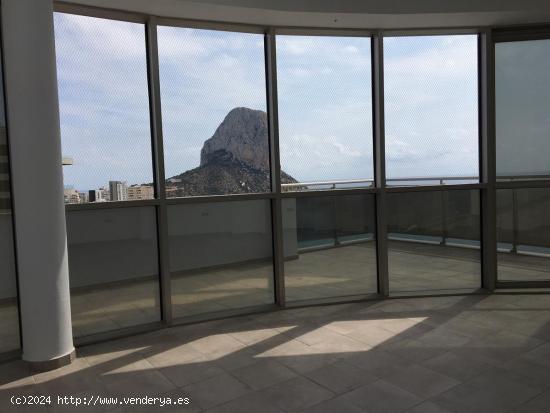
(221, 256)
(113, 268)
(213, 112)
(329, 246)
(522, 78)
(104, 109)
(434, 240)
(325, 112)
(523, 234)
(9, 317)
(431, 109)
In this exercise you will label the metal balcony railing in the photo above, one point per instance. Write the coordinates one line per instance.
(351, 183)
(444, 237)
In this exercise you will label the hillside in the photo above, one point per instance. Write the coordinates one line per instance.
(234, 160)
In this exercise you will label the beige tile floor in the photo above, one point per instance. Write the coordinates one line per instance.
(517, 267)
(335, 272)
(433, 354)
(415, 267)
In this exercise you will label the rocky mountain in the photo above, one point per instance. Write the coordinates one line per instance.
(242, 133)
(234, 160)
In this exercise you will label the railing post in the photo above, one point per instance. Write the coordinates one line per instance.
(444, 231)
(515, 230)
(158, 163)
(377, 51)
(276, 201)
(487, 159)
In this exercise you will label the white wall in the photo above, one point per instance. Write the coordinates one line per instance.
(343, 13)
(37, 180)
(108, 245)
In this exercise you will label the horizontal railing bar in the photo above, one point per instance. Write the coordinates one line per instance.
(330, 192)
(428, 188)
(112, 204)
(353, 181)
(219, 198)
(526, 184)
(436, 178)
(515, 178)
(315, 183)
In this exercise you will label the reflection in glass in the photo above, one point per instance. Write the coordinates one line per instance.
(9, 317)
(329, 246)
(431, 113)
(522, 95)
(220, 256)
(104, 109)
(325, 112)
(113, 267)
(434, 240)
(523, 234)
(213, 112)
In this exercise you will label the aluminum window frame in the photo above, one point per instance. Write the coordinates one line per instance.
(506, 34)
(15, 353)
(487, 185)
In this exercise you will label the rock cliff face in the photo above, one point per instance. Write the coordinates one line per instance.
(234, 160)
(242, 133)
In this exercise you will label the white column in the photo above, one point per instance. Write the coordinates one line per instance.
(35, 149)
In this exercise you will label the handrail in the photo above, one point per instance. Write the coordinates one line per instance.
(317, 183)
(333, 183)
(521, 177)
(444, 200)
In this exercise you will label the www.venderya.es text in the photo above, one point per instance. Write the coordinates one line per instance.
(43, 400)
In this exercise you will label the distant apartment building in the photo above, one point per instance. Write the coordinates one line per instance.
(83, 197)
(71, 196)
(136, 192)
(171, 191)
(97, 195)
(93, 195)
(118, 190)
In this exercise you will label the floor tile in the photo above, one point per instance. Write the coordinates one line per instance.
(341, 377)
(250, 403)
(495, 391)
(459, 366)
(296, 394)
(338, 404)
(215, 391)
(538, 404)
(382, 396)
(264, 374)
(421, 381)
(378, 362)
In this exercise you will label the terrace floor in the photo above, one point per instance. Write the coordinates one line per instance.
(333, 272)
(434, 354)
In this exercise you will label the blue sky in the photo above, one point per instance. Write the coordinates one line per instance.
(324, 86)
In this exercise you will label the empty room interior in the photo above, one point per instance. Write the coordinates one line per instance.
(275, 206)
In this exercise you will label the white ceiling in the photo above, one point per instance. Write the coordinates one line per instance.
(344, 13)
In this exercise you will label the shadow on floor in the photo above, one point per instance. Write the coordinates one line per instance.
(462, 353)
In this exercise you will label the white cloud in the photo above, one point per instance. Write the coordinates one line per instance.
(431, 106)
(324, 99)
